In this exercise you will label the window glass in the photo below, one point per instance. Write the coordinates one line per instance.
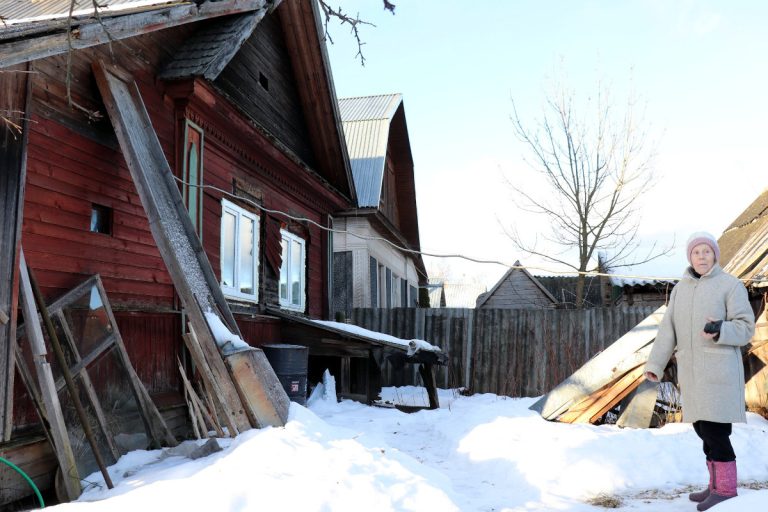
(293, 272)
(228, 221)
(284, 272)
(239, 252)
(246, 255)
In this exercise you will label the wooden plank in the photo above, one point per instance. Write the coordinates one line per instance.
(171, 227)
(209, 380)
(15, 104)
(62, 446)
(592, 407)
(639, 407)
(594, 374)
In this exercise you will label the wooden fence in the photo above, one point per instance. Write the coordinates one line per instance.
(513, 352)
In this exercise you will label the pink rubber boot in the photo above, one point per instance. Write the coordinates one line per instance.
(724, 484)
(700, 496)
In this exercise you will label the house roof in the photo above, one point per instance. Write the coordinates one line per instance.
(456, 295)
(516, 268)
(367, 122)
(40, 30)
(209, 50)
(744, 244)
(18, 12)
(375, 128)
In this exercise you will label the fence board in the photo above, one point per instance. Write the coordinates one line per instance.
(512, 352)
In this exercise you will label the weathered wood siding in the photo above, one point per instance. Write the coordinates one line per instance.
(513, 352)
(517, 291)
(276, 107)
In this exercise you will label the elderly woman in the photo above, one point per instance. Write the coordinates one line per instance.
(708, 318)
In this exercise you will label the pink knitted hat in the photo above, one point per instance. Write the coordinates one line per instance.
(702, 237)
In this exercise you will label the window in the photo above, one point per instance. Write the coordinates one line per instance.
(374, 276)
(292, 272)
(193, 174)
(101, 219)
(239, 252)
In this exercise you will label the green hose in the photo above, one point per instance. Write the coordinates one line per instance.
(29, 480)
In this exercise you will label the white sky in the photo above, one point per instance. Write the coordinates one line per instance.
(698, 67)
(477, 453)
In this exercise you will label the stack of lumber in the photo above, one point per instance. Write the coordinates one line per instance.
(613, 375)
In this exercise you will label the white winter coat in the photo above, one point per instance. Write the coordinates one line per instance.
(710, 373)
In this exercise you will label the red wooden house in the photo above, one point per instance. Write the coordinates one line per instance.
(240, 97)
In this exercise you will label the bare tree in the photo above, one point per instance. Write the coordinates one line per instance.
(596, 167)
(354, 22)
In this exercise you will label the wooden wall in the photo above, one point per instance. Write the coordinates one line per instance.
(277, 107)
(511, 352)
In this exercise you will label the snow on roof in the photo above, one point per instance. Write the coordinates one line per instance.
(629, 281)
(412, 346)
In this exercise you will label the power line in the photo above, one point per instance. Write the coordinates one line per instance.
(436, 255)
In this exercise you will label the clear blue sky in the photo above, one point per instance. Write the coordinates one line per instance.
(698, 67)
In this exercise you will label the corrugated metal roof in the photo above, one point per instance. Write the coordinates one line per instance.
(27, 11)
(366, 122)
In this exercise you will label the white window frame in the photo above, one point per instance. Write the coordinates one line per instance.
(287, 301)
(234, 291)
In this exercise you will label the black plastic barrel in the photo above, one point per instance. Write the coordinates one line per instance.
(290, 365)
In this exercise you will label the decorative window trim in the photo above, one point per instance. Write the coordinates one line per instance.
(286, 302)
(234, 292)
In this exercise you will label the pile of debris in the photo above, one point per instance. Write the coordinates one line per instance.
(612, 380)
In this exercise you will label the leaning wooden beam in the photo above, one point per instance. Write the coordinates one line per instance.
(171, 226)
(15, 103)
(95, 32)
(62, 447)
(599, 370)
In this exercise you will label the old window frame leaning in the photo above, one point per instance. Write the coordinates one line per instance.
(234, 290)
(286, 294)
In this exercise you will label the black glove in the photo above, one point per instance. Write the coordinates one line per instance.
(713, 327)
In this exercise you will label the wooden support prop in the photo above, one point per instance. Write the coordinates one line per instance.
(427, 372)
(15, 104)
(172, 229)
(62, 446)
(598, 371)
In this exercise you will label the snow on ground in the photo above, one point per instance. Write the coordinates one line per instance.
(476, 453)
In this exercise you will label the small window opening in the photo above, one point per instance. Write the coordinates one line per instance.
(264, 81)
(101, 219)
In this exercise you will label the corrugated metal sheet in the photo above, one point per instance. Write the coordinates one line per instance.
(26, 11)
(366, 122)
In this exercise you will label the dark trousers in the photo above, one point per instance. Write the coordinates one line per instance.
(716, 438)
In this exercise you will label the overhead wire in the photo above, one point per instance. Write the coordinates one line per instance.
(436, 255)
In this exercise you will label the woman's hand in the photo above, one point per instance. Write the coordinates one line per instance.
(651, 377)
(713, 335)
